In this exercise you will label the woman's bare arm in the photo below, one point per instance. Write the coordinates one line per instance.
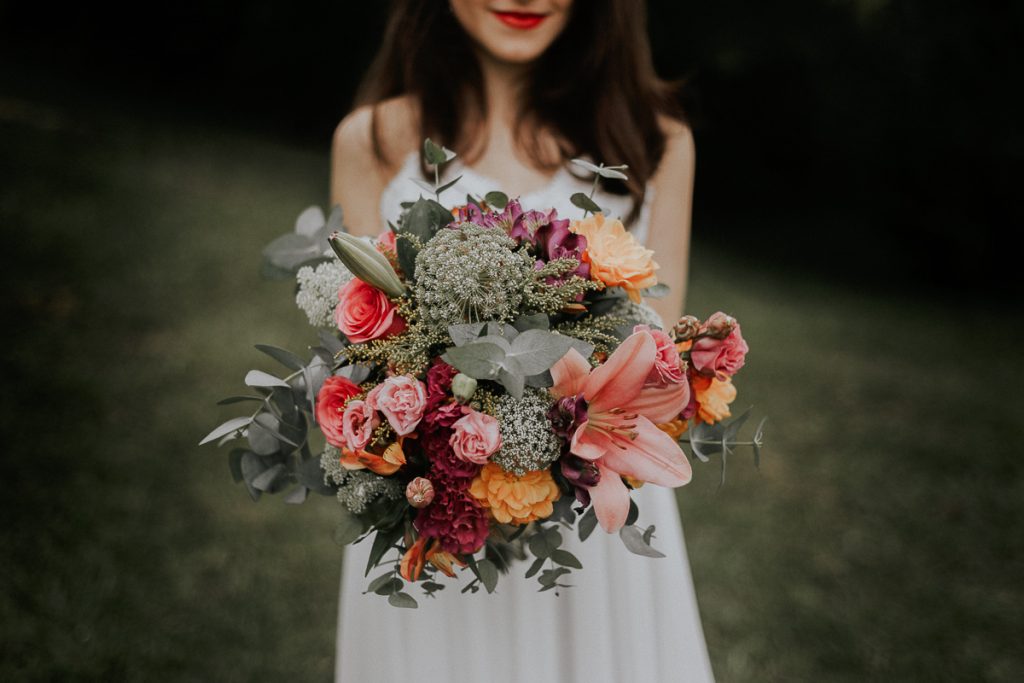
(671, 210)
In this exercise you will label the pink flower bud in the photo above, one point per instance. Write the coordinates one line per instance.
(686, 328)
(419, 492)
(720, 325)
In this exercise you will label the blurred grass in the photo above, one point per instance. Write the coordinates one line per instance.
(879, 541)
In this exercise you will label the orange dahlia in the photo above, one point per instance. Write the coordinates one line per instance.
(713, 397)
(614, 255)
(512, 499)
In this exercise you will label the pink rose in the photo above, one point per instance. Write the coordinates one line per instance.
(330, 407)
(357, 425)
(720, 358)
(402, 400)
(475, 437)
(668, 366)
(364, 313)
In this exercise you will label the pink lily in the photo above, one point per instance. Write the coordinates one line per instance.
(619, 433)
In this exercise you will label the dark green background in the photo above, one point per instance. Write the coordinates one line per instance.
(857, 169)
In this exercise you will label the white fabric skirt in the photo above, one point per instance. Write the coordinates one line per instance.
(626, 618)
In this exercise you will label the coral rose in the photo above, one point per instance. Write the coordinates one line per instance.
(719, 357)
(330, 406)
(615, 257)
(475, 437)
(357, 425)
(512, 499)
(402, 400)
(713, 397)
(364, 313)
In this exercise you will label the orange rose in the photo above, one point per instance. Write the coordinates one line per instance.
(615, 257)
(713, 397)
(512, 499)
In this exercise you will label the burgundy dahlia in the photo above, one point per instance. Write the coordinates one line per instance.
(456, 520)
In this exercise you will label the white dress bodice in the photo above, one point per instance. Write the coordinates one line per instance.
(626, 618)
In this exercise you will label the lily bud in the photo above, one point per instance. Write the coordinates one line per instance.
(366, 263)
(419, 492)
(463, 387)
(686, 329)
(720, 325)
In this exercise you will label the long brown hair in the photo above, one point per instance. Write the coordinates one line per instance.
(594, 88)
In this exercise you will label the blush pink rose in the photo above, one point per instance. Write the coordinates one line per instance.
(330, 407)
(357, 425)
(668, 366)
(720, 358)
(475, 437)
(364, 313)
(402, 400)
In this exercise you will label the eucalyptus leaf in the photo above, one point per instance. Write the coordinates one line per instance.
(544, 542)
(499, 200)
(258, 378)
(422, 184)
(633, 514)
(348, 529)
(238, 399)
(389, 587)
(478, 360)
(269, 480)
(648, 534)
(310, 221)
(402, 599)
(252, 466)
(566, 559)
(461, 334)
(288, 252)
(232, 425)
(357, 373)
(380, 581)
(733, 428)
(285, 358)
(541, 380)
(488, 574)
(448, 185)
(587, 523)
(549, 577)
(433, 153)
(534, 321)
(275, 427)
(261, 440)
(537, 350)
(535, 567)
(235, 463)
(584, 202)
(382, 543)
(331, 342)
(633, 539)
(514, 381)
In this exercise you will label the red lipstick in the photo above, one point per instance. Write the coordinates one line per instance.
(523, 21)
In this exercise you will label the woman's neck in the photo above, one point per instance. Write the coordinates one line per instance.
(503, 84)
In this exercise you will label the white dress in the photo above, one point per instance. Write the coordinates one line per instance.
(626, 618)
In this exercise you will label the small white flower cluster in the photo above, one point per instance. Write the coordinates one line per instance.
(318, 291)
(356, 488)
(640, 313)
(527, 441)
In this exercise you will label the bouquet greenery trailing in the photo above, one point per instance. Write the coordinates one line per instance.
(487, 378)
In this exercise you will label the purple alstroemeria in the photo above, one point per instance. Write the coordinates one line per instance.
(555, 241)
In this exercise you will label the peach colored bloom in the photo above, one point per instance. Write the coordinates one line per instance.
(413, 560)
(619, 434)
(674, 428)
(512, 499)
(475, 437)
(615, 257)
(713, 397)
(442, 559)
(357, 424)
(360, 459)
(402, 400)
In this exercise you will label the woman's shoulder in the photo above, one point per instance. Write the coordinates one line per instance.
(397, 122)
(680, 152)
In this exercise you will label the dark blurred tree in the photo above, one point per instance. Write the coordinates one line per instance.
(872, 139)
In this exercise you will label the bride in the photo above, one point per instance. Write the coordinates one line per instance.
(519, 87)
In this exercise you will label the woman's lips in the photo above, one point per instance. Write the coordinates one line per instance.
(520, 20)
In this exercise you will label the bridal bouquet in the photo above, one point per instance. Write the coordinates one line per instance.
(487, 377)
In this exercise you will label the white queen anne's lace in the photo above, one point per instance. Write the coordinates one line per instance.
(318, 291)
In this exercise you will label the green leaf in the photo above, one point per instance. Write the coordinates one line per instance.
(587, 523)
(648, 534)
(258, 378)
(488, 574)
(544, 542)
(389, 587)
(348, 529)
(402, 599)
(584, 202)
(633, 539)
(549, 577)
(238, 399)
(478, 360)
(534, 321)
(512, 381)
(464, 333)
(285, 358)
(633, 514)
(232, 425)
(270, 477)
(535, 567)
(537, 350)
(297, 496)
(499, 200)
(566, 559)
(381, 580)
(272, 425)
(448, 185)
(235, 463)
(433, 153)
(382, 543)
